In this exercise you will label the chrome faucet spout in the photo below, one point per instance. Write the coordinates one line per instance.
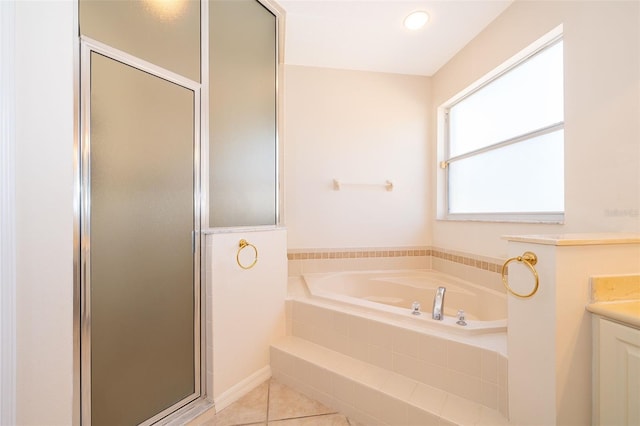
(438, 304)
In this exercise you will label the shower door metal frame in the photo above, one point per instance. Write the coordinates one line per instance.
(87, 47)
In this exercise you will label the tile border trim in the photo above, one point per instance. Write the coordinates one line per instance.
(356, 253)
(466, 259)
(470, 259)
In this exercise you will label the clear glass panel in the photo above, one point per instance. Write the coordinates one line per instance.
(527, 98)
(242, 144)
(163, 32)
(526, 177)
(141, 223)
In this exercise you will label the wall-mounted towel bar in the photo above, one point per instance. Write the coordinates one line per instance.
(338, 185)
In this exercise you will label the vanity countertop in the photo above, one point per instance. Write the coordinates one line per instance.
(577, 239)
(624, 311)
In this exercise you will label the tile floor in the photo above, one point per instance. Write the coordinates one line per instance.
(274, 404)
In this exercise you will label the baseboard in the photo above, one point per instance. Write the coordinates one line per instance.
(240, 389)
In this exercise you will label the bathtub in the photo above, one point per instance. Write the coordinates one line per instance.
(394, 292)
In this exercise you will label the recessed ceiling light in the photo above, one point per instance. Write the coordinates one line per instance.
(416, 20)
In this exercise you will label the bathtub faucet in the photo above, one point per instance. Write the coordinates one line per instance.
(438, 304)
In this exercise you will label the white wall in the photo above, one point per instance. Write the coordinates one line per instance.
(247, 309)
(44, 211)
(602, 106)
(7, 216)
(358, 127)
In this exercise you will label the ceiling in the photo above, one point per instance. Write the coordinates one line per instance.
(368, 34)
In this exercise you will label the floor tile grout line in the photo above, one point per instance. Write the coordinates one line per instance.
(308, 417)
(297, 417)
(269, 421)
(268, 398)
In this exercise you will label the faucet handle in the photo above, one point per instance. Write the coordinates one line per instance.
(415, 306)
(460, 316)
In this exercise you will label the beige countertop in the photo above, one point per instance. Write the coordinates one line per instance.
(577, 239)
(624, 311)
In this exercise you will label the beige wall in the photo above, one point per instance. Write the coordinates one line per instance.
(602, 106)
(358, 127)
(44, 212)
(369, 127)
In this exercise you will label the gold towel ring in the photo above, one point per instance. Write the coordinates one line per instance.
(529, 259)
(243, 244)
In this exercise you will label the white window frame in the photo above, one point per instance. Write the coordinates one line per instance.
(444, 157)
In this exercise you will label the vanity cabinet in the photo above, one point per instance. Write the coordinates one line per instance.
(616, 373)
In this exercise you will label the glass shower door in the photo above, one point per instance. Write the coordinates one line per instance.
(141, 332)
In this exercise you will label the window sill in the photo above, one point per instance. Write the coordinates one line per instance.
(541, 218)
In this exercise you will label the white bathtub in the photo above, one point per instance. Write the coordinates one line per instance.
(393, 293)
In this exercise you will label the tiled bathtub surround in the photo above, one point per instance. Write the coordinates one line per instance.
(368, 394)
(477, 373)
(383, 371)
(357, 253)
(467, 259)
(328, 260)
(468, 266)
(483, 263)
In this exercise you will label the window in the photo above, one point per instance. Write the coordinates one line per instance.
(503, 142)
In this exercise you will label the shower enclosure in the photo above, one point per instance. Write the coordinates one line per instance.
(151, 176)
